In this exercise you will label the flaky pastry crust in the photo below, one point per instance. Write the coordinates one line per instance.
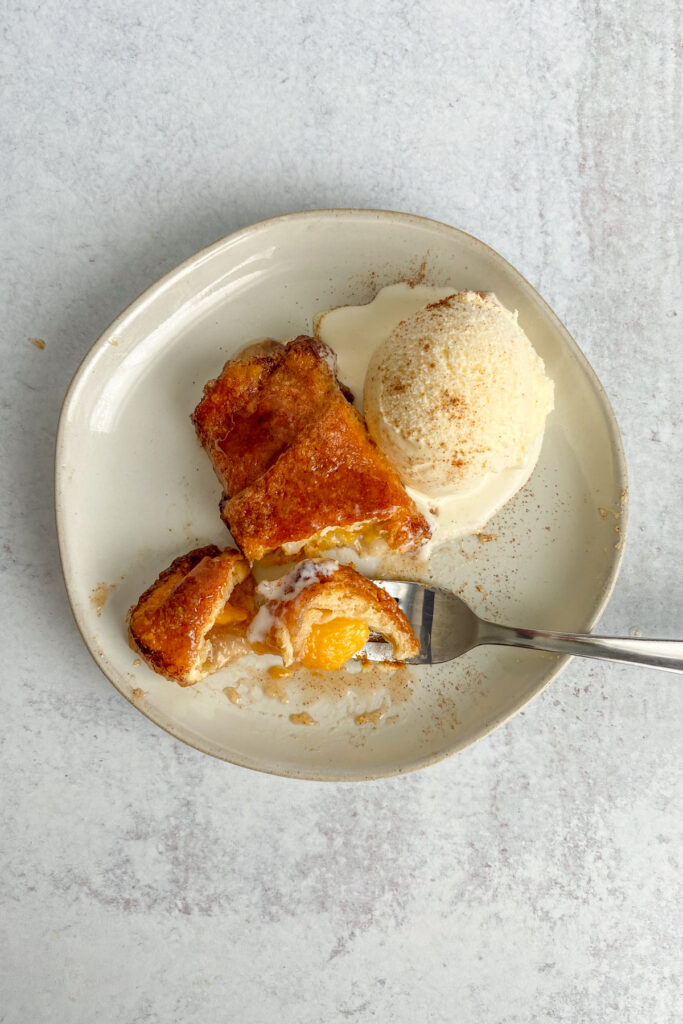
(298, 467)
(318, 591)
(173, 625)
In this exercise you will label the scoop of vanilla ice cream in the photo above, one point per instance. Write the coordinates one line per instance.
(456, 392)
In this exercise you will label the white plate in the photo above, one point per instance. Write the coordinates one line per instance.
(134, 489)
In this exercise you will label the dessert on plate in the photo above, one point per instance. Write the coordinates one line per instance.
(193, 619)
(322, 613)
(456, 400)
(299, 470)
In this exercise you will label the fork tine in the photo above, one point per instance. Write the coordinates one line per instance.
(443, 623)
(377, 651)
(426, 620)
(417, 604)
(393, 587)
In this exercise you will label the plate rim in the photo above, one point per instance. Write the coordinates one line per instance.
(207, 252)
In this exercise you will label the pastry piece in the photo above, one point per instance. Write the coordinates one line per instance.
(331, 488)
(193, 619)
(297, 464)
(322, 613)
(260, 404)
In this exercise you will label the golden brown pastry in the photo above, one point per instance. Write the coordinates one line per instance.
(260, 405)
(298, 467)
(322, 613)
(193, 619)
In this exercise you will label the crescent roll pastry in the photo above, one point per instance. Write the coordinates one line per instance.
(299, 470)
(322, 613)
(193, 619)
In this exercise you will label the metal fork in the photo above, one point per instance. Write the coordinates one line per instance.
(447, 627)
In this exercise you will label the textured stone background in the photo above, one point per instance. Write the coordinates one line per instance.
(535, 877)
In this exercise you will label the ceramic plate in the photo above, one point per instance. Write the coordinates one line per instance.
(134, 490)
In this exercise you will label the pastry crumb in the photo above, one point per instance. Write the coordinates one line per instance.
(371, 717)
(303, 718)
(38, 342)
(279, 672)
(275, 692)
(99, 596)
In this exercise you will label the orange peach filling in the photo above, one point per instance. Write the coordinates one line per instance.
(331, 644)
(230, 615)
(343, 538)
(227, 635)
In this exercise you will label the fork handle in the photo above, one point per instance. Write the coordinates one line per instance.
(665, 654)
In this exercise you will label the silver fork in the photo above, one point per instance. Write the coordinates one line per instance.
(447, 627)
